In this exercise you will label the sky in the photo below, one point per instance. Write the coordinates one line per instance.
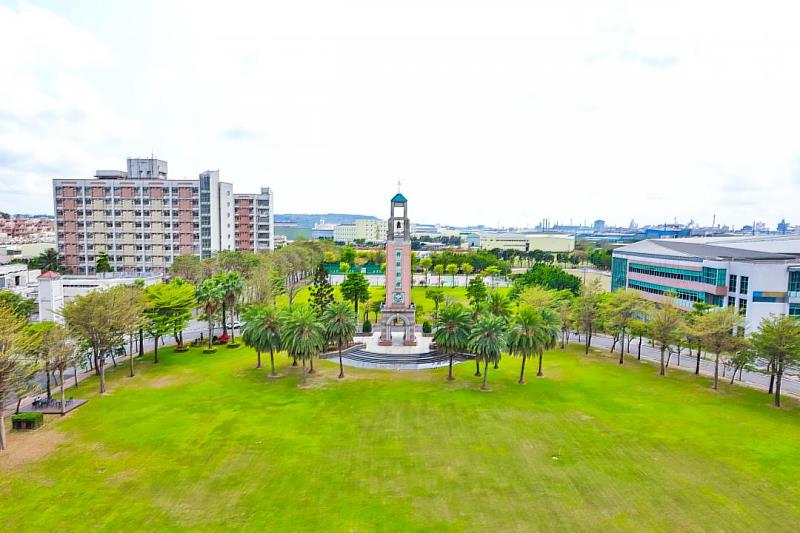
(499, 113)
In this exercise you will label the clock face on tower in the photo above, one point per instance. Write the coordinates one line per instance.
(397, 297)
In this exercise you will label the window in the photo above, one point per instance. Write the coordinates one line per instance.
(794, 309)
(743, 284)
(619, 273)
(742, 306)
(794, 281)
(732, 283)
(731, 302)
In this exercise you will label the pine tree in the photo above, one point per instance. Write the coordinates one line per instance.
(322, 291)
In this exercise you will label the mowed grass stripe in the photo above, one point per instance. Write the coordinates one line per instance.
(209, 442)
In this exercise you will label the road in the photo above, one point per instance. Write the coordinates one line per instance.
(790, 386)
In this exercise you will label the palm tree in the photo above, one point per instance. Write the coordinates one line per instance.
(48, 261)
(232, 286)
(530, 334)
(210, 295)
(499, 305)
(261, 331)
(302, 334)
(467, 269)
(487, 341)
(439, 270)
(477, 310)
(437, 296)
(452, 332)
(452, 269)
(339, 327)
(425, 264)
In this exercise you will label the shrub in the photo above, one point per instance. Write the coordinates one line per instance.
(233, 345)
(367, 327)
(210, 350)
(25, 421)
(426, 327)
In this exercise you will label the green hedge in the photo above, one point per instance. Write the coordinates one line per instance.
(426, 327)
(366, 327)
(27, 421)
(32, 416)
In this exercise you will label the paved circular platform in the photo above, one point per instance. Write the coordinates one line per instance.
(397, 356)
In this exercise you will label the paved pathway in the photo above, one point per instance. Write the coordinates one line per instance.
(790, 386)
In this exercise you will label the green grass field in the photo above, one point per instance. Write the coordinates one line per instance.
(209, 442)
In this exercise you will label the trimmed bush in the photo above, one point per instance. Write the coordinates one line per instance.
(233, 345)
(210, 350)
(27, 421)
(366, 327)
(426, 327)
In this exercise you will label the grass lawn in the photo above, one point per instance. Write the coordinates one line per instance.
(209, 442)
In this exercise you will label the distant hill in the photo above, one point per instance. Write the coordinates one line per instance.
(308, 220)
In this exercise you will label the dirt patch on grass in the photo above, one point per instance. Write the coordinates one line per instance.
(30, 446)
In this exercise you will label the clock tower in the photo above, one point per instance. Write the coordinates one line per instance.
(398, 309)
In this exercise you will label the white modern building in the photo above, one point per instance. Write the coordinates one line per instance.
(54, 290)
(527, 242)
(17, 278)
(757, 276)
(345, 233)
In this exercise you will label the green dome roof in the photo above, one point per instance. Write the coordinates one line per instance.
(399, 198)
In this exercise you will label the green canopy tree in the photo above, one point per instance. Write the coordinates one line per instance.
(665, 321)
(717, 329)
(102, 318)
(476, 290)
(62, 354)
(14, 366)
(168, 309)
(36, 350)
(302, 335)
(355, 288)
(587, 311)
(19, 305)
(261, 331)
(777, 342)
(621, 308)
(452, 332)
(102, 264)
(339, 327)
(487, 341)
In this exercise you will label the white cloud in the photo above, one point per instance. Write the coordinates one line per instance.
(496, 112)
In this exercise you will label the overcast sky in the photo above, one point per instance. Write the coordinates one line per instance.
(488, 112)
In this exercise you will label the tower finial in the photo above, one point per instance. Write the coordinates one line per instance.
(398, 186)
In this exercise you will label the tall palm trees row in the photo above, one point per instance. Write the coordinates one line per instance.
(487, 331)
(303, 331)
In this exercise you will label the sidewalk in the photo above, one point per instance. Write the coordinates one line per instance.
(790, 384)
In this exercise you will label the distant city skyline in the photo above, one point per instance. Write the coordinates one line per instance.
(497, 114)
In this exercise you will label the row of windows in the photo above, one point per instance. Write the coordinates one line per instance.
(744, 284)
(680, 294)
(122, 235)
(666, 272)
(108, 189)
